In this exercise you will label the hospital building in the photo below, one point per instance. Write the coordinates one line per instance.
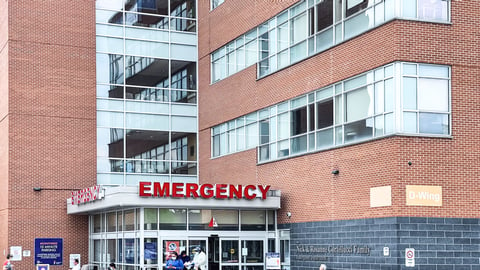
(272, 134)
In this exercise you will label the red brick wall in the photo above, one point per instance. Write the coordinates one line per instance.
(52, 125)
(309, 190)
(4, 124)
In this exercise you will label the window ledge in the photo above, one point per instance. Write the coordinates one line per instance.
(355, 143)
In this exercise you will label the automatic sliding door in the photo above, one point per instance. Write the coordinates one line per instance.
(195, 243)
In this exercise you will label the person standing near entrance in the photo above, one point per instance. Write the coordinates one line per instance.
(174, 263)
(200, 259)
(76, 264)
(7, 265)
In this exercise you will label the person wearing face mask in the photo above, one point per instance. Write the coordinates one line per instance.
(200, 259)
(174, 263)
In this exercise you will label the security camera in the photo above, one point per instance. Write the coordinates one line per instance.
(288, 214)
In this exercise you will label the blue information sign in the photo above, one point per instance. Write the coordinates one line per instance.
(150, 250)
(49, 251)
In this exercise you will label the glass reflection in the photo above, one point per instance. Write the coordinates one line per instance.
(148, 151)
(144, 20)
(110, 68)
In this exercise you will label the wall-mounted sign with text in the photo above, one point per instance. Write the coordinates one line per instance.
(424, 195)
(49, 251)
(206, 191)
(87, 195)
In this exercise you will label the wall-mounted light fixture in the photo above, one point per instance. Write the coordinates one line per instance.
(289, 214)
(65, 189)
(335, 172)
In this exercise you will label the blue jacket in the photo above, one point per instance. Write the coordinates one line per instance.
(177, 264)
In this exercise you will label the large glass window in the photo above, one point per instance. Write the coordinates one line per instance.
(397, 98)
(150, 218)
(224, 219)
(297, 33)
(253, 220)
(137, 81)
(173, 219)
(426, 94)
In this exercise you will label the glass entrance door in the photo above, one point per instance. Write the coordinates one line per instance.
(193, 245)
(253, 254)
(240, 254)
(213, 253)
(230, 254)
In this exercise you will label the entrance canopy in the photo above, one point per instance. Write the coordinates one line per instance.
(148, 195)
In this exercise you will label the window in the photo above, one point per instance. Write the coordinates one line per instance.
(173, 219)
(150, 219)
(282, 40)
(353, 6)
(150, 250)
(325, 114)
(324, 14)
(397, 98)
(426, 95)
(253, 220)
(298, 121)
(216, 3)
(436, 10)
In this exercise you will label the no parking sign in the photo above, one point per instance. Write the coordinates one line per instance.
(409, 257)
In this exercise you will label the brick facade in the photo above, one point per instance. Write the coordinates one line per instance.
(49, 126)
(309, 190)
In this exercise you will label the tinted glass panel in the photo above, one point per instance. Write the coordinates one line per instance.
(324, 14)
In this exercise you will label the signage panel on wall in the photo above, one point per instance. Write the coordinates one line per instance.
(273, 260)
(410, 257)
(16, 252)
(49, 251)
(72, 259)
(424, 195)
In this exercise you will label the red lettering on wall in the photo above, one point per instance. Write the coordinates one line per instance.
(177, 189)
(188, 190)
(235, 190)
(206, 191)
(145, 189)
(264, 190)
(221, 191)
(160, 190)
(249, 195)
(191, 190)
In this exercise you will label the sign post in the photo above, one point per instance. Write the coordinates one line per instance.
(410, 257)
